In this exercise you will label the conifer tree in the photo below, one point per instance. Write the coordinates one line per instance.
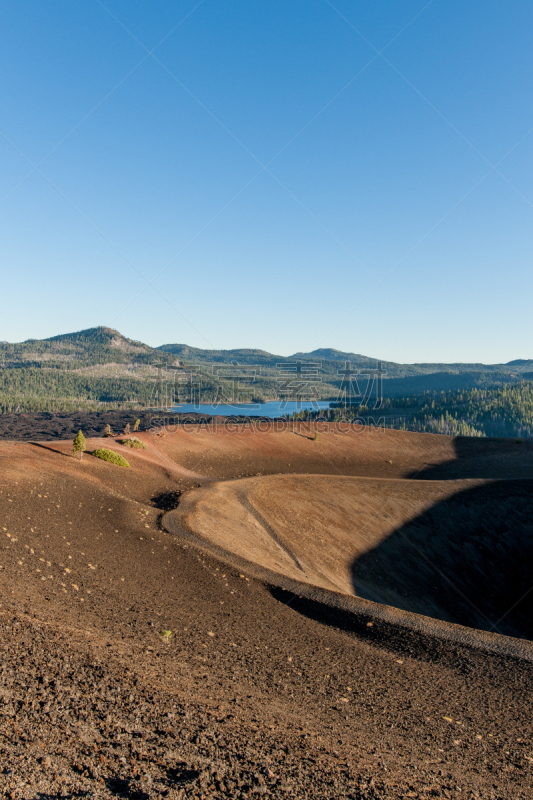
(79, 444)
(136, 425)
(108, 431)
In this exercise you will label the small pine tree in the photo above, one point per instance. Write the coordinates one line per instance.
(79, 444)
(136, 425)
(127, 428)
(316, 436)
(108, 431)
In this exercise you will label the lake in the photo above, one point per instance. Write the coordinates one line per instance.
(272, 409)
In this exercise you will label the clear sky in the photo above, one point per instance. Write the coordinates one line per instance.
(282, 174)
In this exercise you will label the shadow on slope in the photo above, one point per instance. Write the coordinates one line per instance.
(483, 458)
(467, 560)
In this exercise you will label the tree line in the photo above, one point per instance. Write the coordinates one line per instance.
(501, 411)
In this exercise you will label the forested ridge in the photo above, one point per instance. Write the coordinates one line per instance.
(99, 369)
(493, 411)
(502, 411)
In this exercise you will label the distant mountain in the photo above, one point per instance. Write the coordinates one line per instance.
(526, 363)
(97, 336)
(93, 369)
(393, 368)
(332, 362)
(240, 355)
(105, 345)
(99, 367)
(330, 354)
(91, 346)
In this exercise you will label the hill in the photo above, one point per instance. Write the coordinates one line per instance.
(213, 621)
(239, 356)
(332, 361)
(99, 368)
(93, 344)
(86, 369)
(330, 354)
(522, 363)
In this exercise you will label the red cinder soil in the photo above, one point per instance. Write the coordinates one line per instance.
(324, 663)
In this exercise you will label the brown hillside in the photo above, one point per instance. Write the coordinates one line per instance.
(263, 689)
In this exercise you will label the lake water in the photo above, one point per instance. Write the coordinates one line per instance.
(272, 409)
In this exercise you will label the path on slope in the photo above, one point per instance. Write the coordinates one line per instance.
(457, 551)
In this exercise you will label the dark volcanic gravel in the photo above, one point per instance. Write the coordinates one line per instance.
(74, 725)
(47, 426)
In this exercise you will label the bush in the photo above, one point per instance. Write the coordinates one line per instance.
(134, 442)
(111, 456)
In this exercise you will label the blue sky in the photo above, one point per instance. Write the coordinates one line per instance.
(289, 174)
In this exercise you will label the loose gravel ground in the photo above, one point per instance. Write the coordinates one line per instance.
(257, 692)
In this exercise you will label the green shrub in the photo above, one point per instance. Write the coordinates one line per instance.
(134, 442)
(111, 456)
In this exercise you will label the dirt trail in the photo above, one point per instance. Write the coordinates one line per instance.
(392, 542)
